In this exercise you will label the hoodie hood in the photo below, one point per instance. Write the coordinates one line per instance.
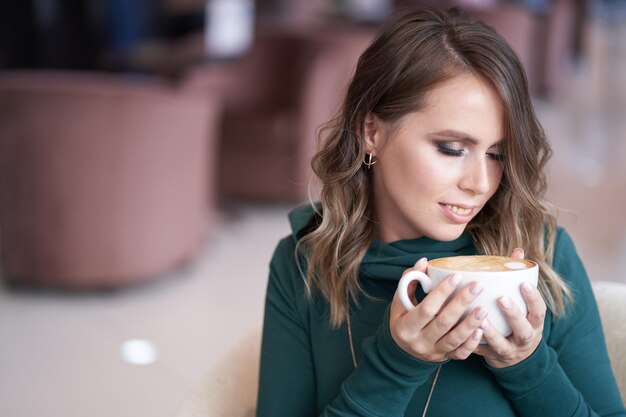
(303, 219)
(388, 261)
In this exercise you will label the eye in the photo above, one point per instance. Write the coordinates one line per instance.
(496, 156)
(448, 150)
(496, 153)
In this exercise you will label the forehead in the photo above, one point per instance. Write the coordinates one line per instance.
(465, 103)
(463, 91)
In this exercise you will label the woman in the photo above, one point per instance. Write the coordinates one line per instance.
(436, 152)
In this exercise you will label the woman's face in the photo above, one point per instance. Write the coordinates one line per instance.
(437, 167)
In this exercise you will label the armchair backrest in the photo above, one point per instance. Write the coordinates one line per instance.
(611, 298)
(230, 389)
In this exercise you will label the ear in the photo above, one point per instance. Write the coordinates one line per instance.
(373, 134)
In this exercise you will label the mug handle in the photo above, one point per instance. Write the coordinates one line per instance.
(403, 286)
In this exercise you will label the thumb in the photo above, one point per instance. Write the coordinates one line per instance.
(517, 253)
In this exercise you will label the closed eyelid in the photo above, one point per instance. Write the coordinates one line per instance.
(461, 145)
(446, 149)
(450, 144)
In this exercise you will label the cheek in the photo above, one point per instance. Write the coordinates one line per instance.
(438, 171)
(431, 180)
(424, 172)
(403, 165)
(496, 176)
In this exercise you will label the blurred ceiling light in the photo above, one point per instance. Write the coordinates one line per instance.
(139, 352)
(229, 28)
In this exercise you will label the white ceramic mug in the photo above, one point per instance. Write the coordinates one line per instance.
(506, 281)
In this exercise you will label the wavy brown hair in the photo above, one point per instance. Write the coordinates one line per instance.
(411, 55)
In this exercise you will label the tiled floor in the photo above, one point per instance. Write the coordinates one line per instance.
(60, 354)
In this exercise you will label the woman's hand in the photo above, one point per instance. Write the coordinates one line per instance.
(501, 352)
(431, 331)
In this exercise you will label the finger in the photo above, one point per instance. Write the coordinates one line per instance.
(451, 314)
(517, 253)
(397, 309)
(497, 345)
(428, 309)
(523, 331)
(483, 349)
(420, 265)
(536, 305)
(462, 332)
(467, 348)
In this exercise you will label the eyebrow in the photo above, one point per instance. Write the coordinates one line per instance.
(464, 137)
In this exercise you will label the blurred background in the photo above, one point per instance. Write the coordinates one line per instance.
(151, 150)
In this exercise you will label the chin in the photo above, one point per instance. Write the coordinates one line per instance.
(446, 234)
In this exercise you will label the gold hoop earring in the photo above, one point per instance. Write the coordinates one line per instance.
(369, 160)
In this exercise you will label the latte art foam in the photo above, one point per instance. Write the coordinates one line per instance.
(481, 263)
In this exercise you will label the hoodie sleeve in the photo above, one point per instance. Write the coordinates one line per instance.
(384, 381)
(569, 374)
(382, 384)
(287, 375)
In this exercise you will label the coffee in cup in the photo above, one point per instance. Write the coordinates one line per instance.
(481, 263)
(499, 275)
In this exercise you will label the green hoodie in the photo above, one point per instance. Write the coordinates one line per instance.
(307, 368)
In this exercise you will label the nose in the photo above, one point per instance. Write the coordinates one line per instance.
(476, 177)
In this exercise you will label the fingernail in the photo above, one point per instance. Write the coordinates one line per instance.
(478, 334)
(480, 314)
(420, 262)
(520, 250)
(485, 325)
(477, 288)
(528, 289)
(455, 280)
(505, 302)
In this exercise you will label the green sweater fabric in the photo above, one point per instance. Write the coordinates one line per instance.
(307, 368)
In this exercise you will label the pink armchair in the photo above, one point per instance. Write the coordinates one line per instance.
(274, 99)
(104, 180)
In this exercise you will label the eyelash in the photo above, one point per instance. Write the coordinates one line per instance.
(459, 152)
(449, 151)
(496, 157)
